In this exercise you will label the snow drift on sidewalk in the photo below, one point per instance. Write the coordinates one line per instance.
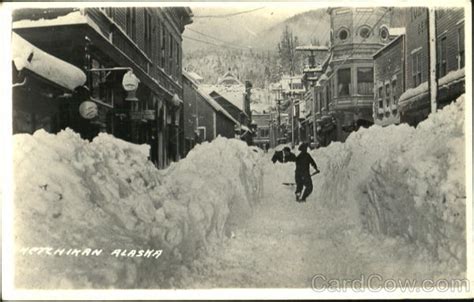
(105, 194)
(404, 182)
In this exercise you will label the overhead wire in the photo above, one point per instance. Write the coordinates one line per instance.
(230, 14)
(215, 38)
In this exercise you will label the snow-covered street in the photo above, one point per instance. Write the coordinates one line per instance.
(221, 218)
(286, 244)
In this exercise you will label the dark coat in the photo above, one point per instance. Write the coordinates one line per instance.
(303, 161)
(280, 157)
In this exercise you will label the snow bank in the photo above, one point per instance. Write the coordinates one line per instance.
(105, 195)
(404, 182)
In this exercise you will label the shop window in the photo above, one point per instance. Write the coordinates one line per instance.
(461, 46)
(343, 81)
(387, 95)
(130, 22)
(365, 80)
(343, 34)
(364, 32)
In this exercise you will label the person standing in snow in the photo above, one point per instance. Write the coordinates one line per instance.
(283, 156)
(302, 175)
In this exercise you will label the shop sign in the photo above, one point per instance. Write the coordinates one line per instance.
(143, 115)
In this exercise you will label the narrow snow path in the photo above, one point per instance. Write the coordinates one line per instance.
(285, 244)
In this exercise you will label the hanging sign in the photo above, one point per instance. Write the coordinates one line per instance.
(88, 110)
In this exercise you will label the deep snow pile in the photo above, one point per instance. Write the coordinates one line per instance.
(105, 194)
(404, 182)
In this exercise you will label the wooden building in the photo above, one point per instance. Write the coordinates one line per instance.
(263, 123)
(414, 103)
(107, 43)
(204, 118)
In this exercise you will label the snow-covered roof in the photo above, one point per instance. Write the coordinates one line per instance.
(72, 18)
(313, 48)
(396, 31)
(216, 105)
(195, 76)
(387, 45)
(26, 55)
(313, 69)
(233, 94)
(205, 95)
(229, 79)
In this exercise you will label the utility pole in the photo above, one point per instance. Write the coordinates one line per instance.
(313, 113)
(432, 54)
(292, 122)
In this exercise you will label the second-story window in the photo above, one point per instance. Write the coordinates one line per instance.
(416, 68)
(148, 33)
(365, 80)
(380, 96)
(461, 46)
(178, 60)
(130, 22)
(343, 82)
(163, 46)
(170, 60)
(442, 57)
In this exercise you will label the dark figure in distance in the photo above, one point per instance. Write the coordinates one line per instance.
(302, 175)
(283, 156)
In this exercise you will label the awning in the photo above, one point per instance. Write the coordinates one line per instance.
(27, 56)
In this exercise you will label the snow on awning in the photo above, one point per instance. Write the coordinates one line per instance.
(26, 55)
(452, 77)
(420, 90)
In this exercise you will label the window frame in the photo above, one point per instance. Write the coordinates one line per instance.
(371, 92)
(348, 84)
(342, 29)
(461, 55)
(441, 58)
(365, 27)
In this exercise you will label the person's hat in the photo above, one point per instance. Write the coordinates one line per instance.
(303, 147)
(287, 149)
